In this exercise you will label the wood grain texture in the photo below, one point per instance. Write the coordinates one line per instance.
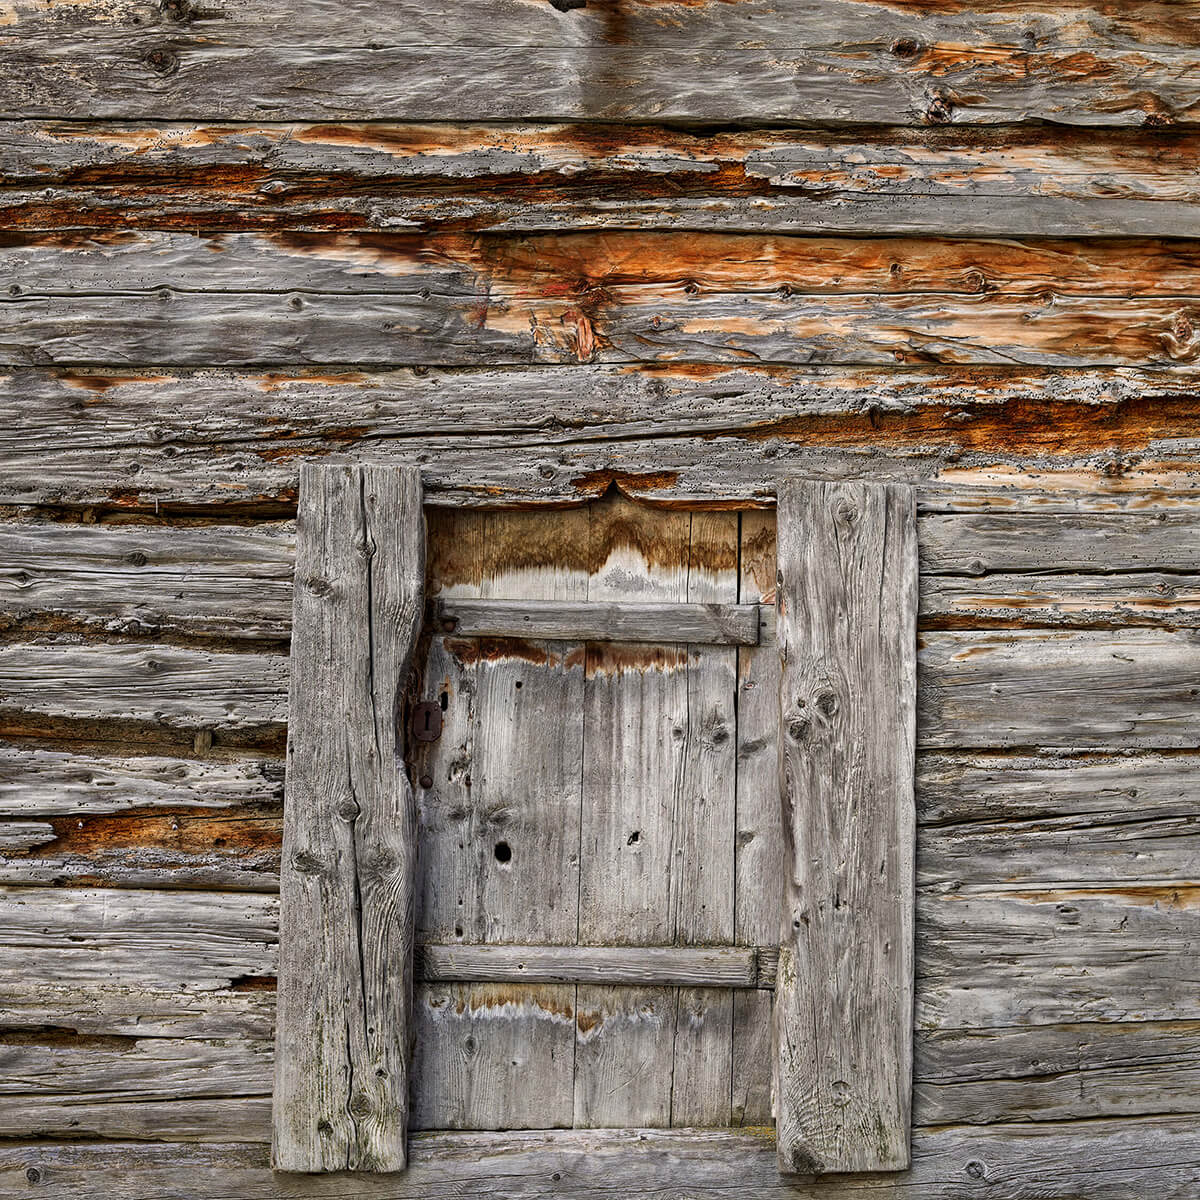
(150, 581)
(828, 68)
(350, 831)
(847, 600)
(392, 300)
(709, 624)
(704, 966)
(1052, 442)
(1125, 1157)
(951, 181)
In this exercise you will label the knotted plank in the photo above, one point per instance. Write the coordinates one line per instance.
(847, 604)
(347, 880)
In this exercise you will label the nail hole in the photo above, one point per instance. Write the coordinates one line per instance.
(503, 852)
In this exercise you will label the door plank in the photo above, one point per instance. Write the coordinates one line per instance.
(348, 875)
(847, 605)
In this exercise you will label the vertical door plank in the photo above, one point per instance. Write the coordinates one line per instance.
(506, 834)
(759, 839)
(635, 734)
(348, 875)
(847, 603)
(447, 869)
(704, 894)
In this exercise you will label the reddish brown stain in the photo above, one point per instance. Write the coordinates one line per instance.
(177, 835)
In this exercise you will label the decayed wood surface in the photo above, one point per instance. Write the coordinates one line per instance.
(551, 620)
(389, 299)
(847, 618)
(1124, 1157)
(835, 62)
(1021, 440)
(946, 181)
(347, 880)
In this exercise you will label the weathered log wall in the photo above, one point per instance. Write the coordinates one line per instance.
(541, 252)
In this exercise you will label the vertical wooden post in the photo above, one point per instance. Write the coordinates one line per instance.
(349, 848)
(847, 596)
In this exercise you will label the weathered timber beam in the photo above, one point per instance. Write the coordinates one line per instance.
(952, 181)
(1155, 1156)
(845, 72)
(1024, 439)
(1024, 568)
(560, 620)
(847, 633)
(347, 881)
(1087, 689)
(651, 966)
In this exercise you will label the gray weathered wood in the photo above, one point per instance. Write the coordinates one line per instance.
(167, 1088)
(656, 966)
(142, 439)
(148, 580)
(1149, 1157)
(955, 181)
(165, 685)
(349, 856)
(710, 624)
(829, 64)
(500, 834)
(847, 603)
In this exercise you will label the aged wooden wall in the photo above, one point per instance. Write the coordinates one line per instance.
(542, 250)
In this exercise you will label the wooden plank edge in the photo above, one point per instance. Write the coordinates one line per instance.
(558, 620)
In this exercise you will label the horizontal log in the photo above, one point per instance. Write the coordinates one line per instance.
(147, 1088)
(1124, 1157)
(1155, 598)
(947, 181)
(987, 957)
(177, 823)
(235, 582)
(1066, 441)
(159, 685)
(163, 1089)
(498, 23)
(1126, 689)
(597, 272)
(383, 300)
(149, 581)
(851, 70)
(1129, 688)
(561, 620)
(650, 966)
(1011, 543)
(1056, 1072)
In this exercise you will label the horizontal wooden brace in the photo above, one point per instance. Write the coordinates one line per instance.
(650, 966)
(555, 620)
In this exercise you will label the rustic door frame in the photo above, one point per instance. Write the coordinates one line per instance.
(846, 601)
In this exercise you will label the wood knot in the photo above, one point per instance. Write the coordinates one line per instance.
(567, 5)
(940, 110)
(162, 62)
(905, 48)
(360, 1105)
(177, 10)
(136, 559)
(33, 1174)
(976, 1169)
(318, 586)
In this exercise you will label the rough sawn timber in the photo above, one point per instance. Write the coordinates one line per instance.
(349, 855)
(847, 605)
(1124, 1158)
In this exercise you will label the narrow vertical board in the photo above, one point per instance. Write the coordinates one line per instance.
(348, 874)
(759, 853)
(703, 897)
(847, 607)
(635, 746)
